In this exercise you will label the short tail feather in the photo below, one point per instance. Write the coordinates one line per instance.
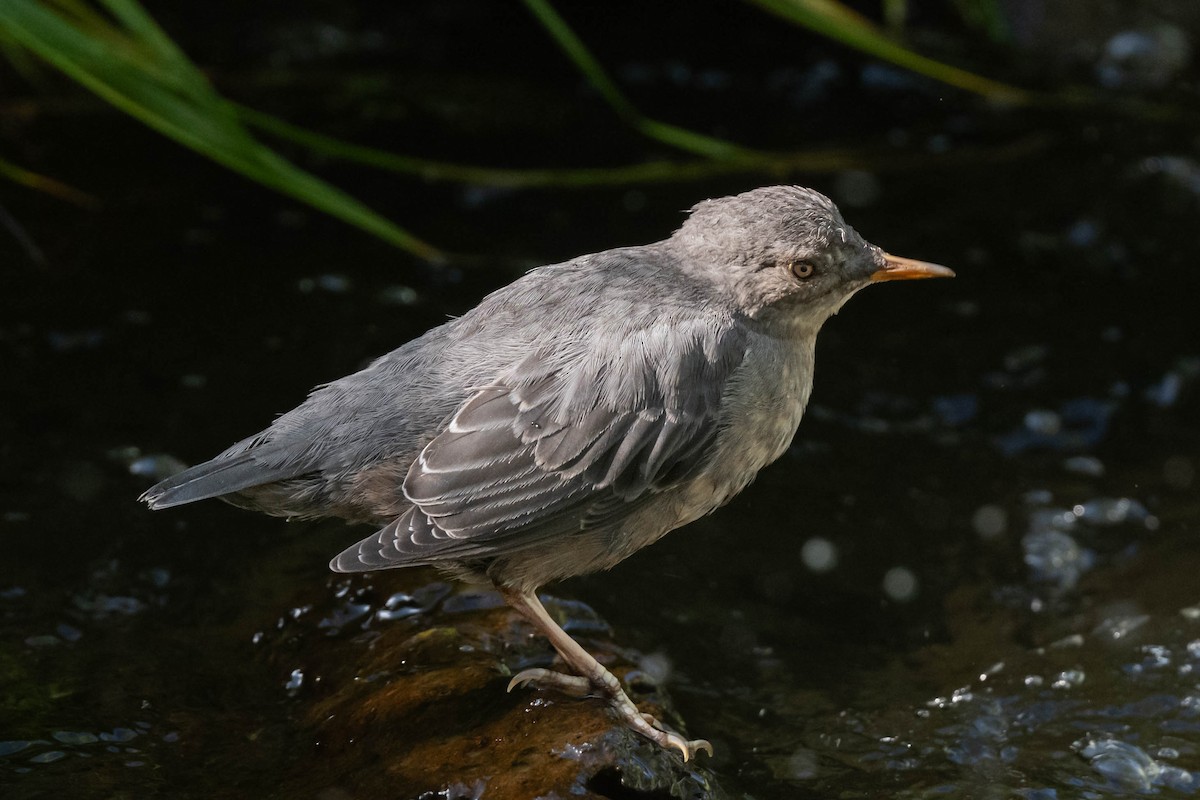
(221, 476)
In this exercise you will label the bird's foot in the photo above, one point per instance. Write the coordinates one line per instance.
(645, 724)
(591, 678)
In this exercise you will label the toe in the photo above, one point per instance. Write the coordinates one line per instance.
(540, 678)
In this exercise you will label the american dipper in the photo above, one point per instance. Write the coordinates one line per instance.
(572, 417)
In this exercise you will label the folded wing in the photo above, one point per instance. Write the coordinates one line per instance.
(547, 450)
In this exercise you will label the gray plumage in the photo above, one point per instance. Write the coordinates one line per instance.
(575, 415)
(572, 417)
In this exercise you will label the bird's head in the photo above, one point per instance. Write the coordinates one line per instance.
(785, 250)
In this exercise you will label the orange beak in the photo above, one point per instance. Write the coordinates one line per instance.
(899, 268)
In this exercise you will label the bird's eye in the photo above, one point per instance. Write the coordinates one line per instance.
(801, 270)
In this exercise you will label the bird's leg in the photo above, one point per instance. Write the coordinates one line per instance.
(591, 676)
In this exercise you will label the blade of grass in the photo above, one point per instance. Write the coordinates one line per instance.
(155, 83)
(681, 138)
(775, 164)
(46, 185)
(835, 21)
(22, 237)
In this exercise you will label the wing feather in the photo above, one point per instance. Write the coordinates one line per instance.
(544, 452)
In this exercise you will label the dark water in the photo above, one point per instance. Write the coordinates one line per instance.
(973, 575)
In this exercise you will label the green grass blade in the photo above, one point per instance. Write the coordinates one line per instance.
(45, 185)
(162, 50)
(778, 165)
(131, 74)
(835, 21)
(681, 138)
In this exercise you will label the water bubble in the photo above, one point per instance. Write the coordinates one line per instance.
(1073, 640)
(657, 668)
(819, 555)
(1037, 497)
(1120, 626)
(294, 681)
(1055, 557)
(900, 584)
(1165, 393)
(1025, 357)
(1043, 421)
(1068, 679)
(103, 605)
(1111, 511)
(989, 521)
(42, 640)
(16, 746)
(398, 295)
(335, 283)
(1085, 465)
(956, 409)
(75, 737)
(1130, 767)
(994, 669)
(1120, 762)
(159, 577)
(1148, 58)
(1083, 233)
(340, 617)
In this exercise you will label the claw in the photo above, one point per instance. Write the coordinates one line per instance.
(540, 678)
(520, 679)
(681, 746)
(687, 748)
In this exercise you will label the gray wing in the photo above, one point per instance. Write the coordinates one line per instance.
(548, 451)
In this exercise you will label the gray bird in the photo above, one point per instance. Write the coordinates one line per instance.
(572, 417)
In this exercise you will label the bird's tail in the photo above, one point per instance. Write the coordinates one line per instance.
(223, 475)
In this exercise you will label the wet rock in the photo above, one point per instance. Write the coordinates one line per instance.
(415, 706)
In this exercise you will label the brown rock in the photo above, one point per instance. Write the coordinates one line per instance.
(404, 695)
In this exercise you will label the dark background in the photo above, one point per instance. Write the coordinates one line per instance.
(1054, 378)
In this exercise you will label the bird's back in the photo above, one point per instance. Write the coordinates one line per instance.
(345, 451)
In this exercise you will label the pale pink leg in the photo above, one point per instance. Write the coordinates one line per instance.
(591, 676)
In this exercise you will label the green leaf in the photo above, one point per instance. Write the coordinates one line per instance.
(835, 21)
(135, 66)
